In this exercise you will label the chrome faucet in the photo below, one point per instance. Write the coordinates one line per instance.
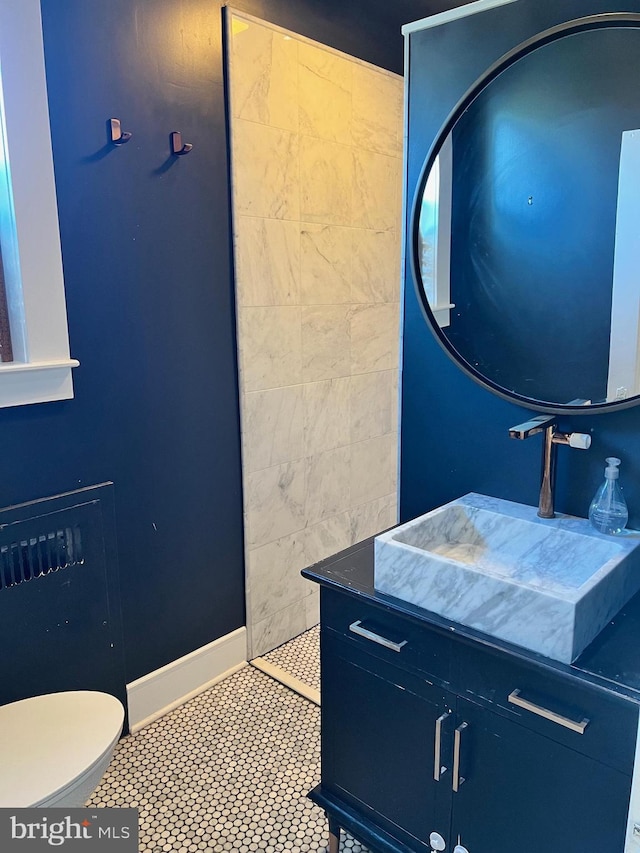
(551, 439)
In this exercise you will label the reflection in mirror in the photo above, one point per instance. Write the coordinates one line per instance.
(624, 350)
(527, 241)
(435, 236)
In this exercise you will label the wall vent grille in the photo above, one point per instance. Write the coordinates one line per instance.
(38, 556)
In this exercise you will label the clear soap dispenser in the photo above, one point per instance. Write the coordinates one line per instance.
(608, 511)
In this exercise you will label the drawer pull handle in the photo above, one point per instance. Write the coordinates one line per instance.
(356, 628)
(438, 769)
(457, 743)
(516, 699)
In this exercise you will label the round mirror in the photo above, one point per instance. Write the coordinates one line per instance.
(526, 223)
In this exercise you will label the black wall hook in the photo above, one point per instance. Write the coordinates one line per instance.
(117, 135)
(176, 144)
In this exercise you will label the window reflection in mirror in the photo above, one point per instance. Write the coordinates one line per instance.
(435, 236)
(429, 232)
(624, 353)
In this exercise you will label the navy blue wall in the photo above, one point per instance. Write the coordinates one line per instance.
(454, 433)
(147, 260)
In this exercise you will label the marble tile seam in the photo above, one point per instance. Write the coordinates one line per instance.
(304, 456)
(355, 145)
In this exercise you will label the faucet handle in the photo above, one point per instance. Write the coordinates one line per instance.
(579, 440)
(531, 427)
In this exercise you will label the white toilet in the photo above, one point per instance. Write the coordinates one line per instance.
(55, 748)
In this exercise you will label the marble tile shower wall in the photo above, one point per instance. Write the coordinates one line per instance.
(316, 174)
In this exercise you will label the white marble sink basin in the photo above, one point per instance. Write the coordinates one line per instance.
(549, 585)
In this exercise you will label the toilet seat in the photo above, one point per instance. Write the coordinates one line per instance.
(49, 742)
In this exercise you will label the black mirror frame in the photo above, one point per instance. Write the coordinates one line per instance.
(592, 22)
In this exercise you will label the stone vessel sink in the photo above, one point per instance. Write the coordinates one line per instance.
(549, 585)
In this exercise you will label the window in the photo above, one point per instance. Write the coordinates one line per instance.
(624, 346)
(35, 364)
(6, 348)
(435, 235)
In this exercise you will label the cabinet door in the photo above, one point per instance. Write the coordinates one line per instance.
(379, 728)
(525, 792)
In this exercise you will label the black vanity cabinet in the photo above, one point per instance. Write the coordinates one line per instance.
(378, 725)
(526, 792)
(426, 729)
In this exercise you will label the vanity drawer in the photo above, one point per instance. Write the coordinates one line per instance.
(590, 720)
(390, 636)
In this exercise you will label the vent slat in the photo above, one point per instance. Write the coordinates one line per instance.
(33, 556)
(50, 553)
(27, 554)
(77, 546)
(30, 557)
(43, 567)
(16, 564)
(61, 549)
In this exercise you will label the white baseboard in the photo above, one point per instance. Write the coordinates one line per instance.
(155, 694)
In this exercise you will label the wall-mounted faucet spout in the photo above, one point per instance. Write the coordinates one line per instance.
(550, 441)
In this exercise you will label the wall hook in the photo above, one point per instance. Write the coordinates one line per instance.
(118, 135)
(176, 144)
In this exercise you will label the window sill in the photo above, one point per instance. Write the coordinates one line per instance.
(442, 313)
(36, 382)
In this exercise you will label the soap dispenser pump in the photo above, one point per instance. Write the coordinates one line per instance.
(608, 511)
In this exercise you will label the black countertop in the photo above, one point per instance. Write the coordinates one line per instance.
(612, 660)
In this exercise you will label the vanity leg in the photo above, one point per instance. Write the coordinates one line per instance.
(334, 836)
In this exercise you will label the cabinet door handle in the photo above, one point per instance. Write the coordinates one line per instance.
(438, 769)
(457, 743)
(356, 628)
(575, 726)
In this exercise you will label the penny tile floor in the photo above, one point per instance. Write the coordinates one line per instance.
(300, 657)
(230, 769)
